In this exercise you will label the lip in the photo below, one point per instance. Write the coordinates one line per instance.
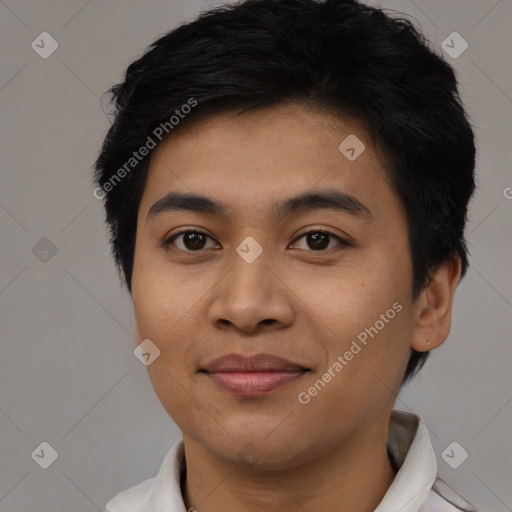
(251, 376)
(255, 363)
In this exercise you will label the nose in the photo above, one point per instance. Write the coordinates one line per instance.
(251, 297)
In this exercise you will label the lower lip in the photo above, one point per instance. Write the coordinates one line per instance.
(250, 384)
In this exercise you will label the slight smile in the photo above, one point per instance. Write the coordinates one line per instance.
(252, 376)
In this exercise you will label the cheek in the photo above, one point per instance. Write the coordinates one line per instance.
(160, 315)
(349, 298)
(160, 312)
(159, 299)
(365, 312)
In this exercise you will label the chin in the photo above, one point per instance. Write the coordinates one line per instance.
(259, 447)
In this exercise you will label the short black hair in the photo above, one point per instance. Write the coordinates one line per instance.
(340, 57)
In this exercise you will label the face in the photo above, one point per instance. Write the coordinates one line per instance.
(300, 253)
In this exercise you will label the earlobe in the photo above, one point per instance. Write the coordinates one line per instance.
(434, 309)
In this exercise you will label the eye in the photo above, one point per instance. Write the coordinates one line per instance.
(190, 241)
(195, 241)
(318, 240)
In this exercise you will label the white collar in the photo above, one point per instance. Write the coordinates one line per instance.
(409, 448)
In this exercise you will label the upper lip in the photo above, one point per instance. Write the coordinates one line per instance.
(255, 363)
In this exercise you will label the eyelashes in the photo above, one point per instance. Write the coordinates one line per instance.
(195, 241)
(198, 236)
(320, 241)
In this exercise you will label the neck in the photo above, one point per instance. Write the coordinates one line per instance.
(353, 477)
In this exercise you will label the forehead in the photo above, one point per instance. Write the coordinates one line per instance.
(252, 160)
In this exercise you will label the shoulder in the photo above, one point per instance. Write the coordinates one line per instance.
(442, 498)
(162, 492)
(134, 499)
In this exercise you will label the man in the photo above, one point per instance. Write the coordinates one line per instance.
(286, 185)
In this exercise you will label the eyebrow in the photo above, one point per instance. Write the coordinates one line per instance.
(329, 199)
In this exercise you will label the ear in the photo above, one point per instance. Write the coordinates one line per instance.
(434, 306)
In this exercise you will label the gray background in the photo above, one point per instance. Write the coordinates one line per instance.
(68, 375)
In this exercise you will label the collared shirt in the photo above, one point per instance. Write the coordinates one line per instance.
(416, 487)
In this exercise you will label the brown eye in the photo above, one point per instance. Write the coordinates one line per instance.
(320, 240)
(190, 241)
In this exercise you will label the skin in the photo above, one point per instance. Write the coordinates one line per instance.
(293, 301)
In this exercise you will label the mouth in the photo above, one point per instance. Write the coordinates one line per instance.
(251, 376)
